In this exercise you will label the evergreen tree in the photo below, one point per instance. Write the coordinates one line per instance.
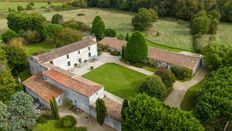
(54, 108)
(136, 49)
(101, 111)
(4, 117)
(127, 36)
(98, 27)
(125, 104)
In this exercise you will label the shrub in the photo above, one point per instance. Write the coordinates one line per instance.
(99, 50)
(182, 73)
(11, 10)
(115, 53)
(67, 102)
(32, 36)
(20, 8)
(167, 77)
(29, 7)
(153, 86)
(68, 121)
(57, 19)
(104, 47)
(17, 41)
(77, 25)
(7, 35)
(110, 32)
(101, 111)
(43, 118)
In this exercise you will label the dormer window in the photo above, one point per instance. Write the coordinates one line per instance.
(67, 56)
(79, 52)
(51, 62)
(89, 48)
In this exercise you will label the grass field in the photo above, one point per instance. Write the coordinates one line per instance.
(117, 79)
(189, 100)
(13, 5)
(171, 33)
(225, 33)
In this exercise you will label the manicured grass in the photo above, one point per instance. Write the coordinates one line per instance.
(190, 97)
(51, 126)
(171, 33)
(117, 79)
(45, 46)
(13, 5)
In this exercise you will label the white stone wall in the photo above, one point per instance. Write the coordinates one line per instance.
(74, 57)
(35, 67)
(94, 97)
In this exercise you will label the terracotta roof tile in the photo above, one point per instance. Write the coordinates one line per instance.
(41, 58)
(173, 58)
(78, 84)
(43, 89)
(113, 42)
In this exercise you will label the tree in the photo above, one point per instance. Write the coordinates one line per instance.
(20, 8)
(154, 15)
(7, 82)
(54, 108)
(148, 113)
(217, 55)
(29, 6)
(32, 36)
(22, 114)
(182, 73)
(142, 20)
(4, 119)
(136, 48)
(200, 25)
(125, 104)
(18, 42)
(101, 111)
(57, 19)
(52, 31)
(110, 33)
(153, 86)
(214, 104)
(167, 77)
(67, 36)
(77, 25)
(16, 58)
(98, 27)
(127, 36)
(8, 35)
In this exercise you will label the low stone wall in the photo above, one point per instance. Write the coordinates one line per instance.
(109, 120)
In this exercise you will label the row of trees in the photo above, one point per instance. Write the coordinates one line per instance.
(181, 9)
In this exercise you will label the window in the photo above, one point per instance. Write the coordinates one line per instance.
(89, 54)
(51, 62)
(75, 102)
(89, 48)
(69, 63)
(67, 56)
(79, 52)
(80, 60)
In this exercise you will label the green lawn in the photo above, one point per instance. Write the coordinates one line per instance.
(51, 126)
(117, 79)
(189, 100)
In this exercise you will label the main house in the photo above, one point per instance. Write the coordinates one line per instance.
(52, 78)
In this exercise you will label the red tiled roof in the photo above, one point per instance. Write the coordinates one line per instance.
(43, 89)
(113, 43)
(78, 84)
(173, 58)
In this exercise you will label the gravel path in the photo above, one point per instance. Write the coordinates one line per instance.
(180, 88)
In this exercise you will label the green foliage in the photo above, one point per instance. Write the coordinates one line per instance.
(217, 55)
(125, 104)
(8, 34)
(148, 113)
(98, 27)
(67, 36)
(77, 25)
(44, 118)
(154, 15)
(16, 58)
(214, 103)
(67, 102)
(22, 114)
(136, 49)
(127, 37)
(153, 86)
(167, 77)
(101, 111)
(20, 8)
(52, 31)
(57, 19)
(79, 3)
(32, 36)
(54, 108)
(182, 73)
(110, 32)
(7, 82)
(68, 121)
(4, 123)
(29, 6)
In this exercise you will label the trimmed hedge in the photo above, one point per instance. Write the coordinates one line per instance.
(68, 121)
(182, 73)
(167, 77)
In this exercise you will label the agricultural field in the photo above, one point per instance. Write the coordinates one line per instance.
(117, 79)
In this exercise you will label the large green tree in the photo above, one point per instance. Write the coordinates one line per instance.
(136, 49)
(148, 113)
(22, 114)
(7, 82)
(101, 111)
(214, 104)
(16, 58)
(54, 108)
(98, 27)
(52, 31)
(4, 117)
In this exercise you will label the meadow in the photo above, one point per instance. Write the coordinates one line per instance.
(13, 5)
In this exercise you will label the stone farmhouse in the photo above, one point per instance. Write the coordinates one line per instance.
(163, 58)
(52, 78)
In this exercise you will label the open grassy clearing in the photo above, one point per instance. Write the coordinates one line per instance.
(117, 79)
(225, 33)
(13, 5)
(189, 100)
(171, 33)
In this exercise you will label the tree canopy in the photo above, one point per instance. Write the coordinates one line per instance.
(148, 113)
(136, 49)
(101, 111)
(98, 27)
